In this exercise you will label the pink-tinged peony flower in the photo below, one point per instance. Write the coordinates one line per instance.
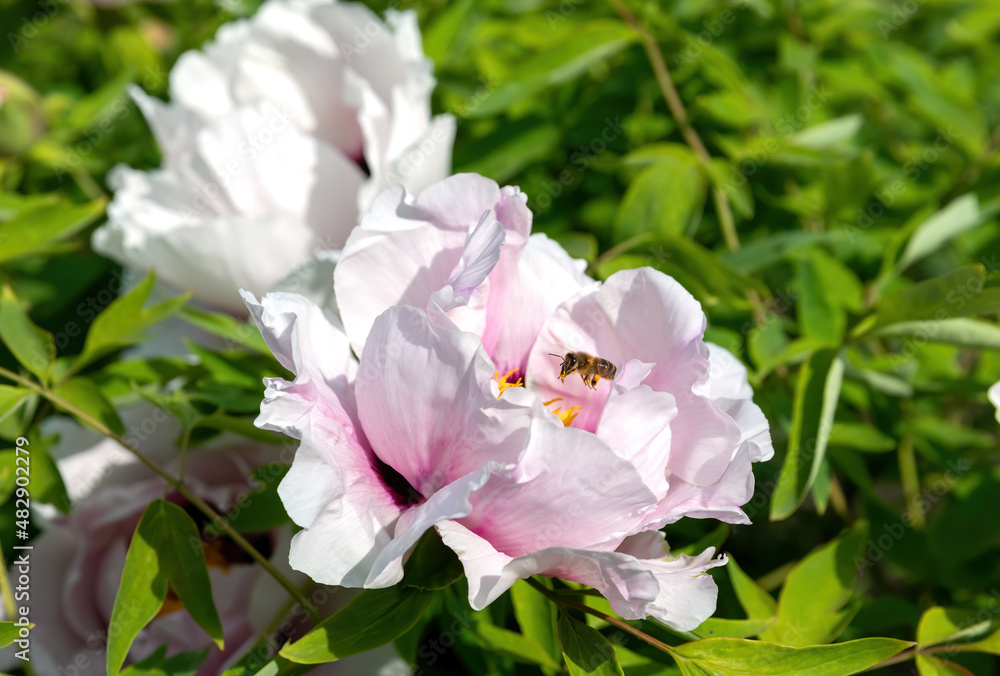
(421, 432)
(278, 135)
(993, 394)
(78, 562)
(441, 251)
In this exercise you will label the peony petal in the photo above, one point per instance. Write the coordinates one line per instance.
(642, 314)
(730, 387)
(569, 489)
(305, 338)
(426, 400)
(451, 502)
(460, 303)
(347, 512)
(413, 257)
(993, 394)
(722, 500)
(676, 591)
(636, 425)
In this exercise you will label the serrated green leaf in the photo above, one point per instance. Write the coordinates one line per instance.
(585, 649)
(588, 43)
(34, 348)
(373, 618)
(82, 399)
(816, 394)
(740, 657)
(815, 592)
(34, 230)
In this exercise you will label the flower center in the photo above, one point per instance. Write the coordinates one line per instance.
(567, 416)
(503, 381)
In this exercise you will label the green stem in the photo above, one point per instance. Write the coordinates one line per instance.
(676, 106)
(561, 600)
(203, 507)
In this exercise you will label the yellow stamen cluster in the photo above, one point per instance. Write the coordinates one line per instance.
(502, 382)
(567, 416)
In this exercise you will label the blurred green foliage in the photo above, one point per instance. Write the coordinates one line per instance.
(852, 145)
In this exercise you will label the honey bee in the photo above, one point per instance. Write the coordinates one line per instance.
(590, 368)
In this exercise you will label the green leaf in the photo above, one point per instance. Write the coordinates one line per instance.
(502, 157)
(663, 199)
(816, 590)
(537, 615)
(166, 548)
(735, 184)
(373, 618)
(11, 398)
(585, 649)
(820, 315)
(82, 399)
(961, 331)
(432, 565)
(9, 632)
(929, 665)
(816, 395)
(957, 625)
(757, 603)
(34, 230)
(960, 215)
(740, 657)
(224, 326)
(158, 664)
(861, 437)
(587, 44)
(719, 627)
(518, 647)
(34, 348)
(262, 509)
(125, 322)
(960, 293)
(141, 593)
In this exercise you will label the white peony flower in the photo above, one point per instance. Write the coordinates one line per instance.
(278, 135)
